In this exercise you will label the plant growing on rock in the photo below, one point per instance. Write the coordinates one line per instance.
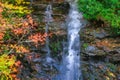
(107, 11)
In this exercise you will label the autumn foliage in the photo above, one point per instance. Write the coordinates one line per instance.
(1, 35)
(11, 38)
(39, 38)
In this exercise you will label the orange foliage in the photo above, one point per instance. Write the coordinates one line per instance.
(15, 69)
(31, 22)
(26, 25)
(1, 10)
(17, 63)
(38, 37)
(1, 35)
(19, 49)
(19, 31)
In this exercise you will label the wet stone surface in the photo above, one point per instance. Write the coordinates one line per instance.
(100, 54)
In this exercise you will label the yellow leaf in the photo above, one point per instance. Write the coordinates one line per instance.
(111, 74)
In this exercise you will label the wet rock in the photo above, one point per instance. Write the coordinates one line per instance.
(100, 35)
(50, 60)
(44, 49)
(37, 67)
(115, 58)
(114, 55)
(37, 60)
(57, 26)
(117, 50)
(87, 38)
(48, 64)
(90, 49)
(94, 51)
(40, 7)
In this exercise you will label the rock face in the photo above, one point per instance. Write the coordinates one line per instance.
(99, 43)
(94, 51)
(100, 35)
(100, 54)
(60, 9)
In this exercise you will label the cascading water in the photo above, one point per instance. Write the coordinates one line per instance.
(73, 57)
(48, 19)
(70, 67)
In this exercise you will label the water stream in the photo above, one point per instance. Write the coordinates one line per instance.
(70, 66)
(48, 19)
(73, 57)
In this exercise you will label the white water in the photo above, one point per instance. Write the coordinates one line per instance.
(74, 25)
(48, 19)
(70, 66)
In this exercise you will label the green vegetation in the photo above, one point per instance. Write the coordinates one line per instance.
(14, 8)
(14, 1)
(85, 45)
(55, 47)
(105, 10)
(5, 63)
(7, 35)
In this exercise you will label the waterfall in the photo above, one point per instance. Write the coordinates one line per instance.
(73, 57)
(48, 20)
(70, 66)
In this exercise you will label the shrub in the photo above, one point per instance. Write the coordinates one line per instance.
(5, 63)
(13, 1)
(12, 8)
(105, 10)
